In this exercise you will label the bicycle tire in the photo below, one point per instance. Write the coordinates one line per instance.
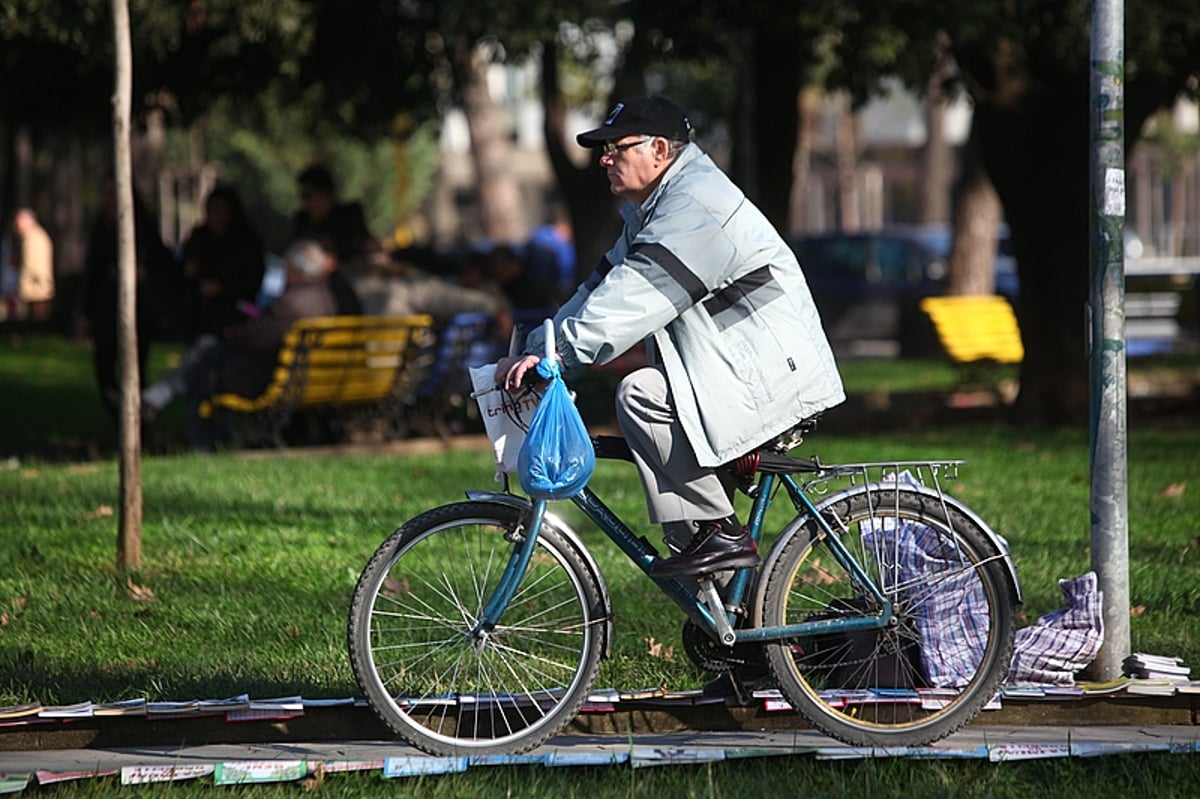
(450, 693)
(928, 674)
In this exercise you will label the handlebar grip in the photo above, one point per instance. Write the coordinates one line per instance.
(548, 329)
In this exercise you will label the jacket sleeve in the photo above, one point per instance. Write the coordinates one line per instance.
(672, 263)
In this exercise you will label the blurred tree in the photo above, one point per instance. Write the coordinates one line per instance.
(759, 53)
(1026, 64)
(184, 55)
(58, 77)
(468, 44)
(368, 61)
(261, 146)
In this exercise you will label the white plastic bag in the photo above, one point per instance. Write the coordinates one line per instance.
(500, 412)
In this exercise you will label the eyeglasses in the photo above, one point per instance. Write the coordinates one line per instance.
(609, 148)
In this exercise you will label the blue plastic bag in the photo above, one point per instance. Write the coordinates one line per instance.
(557, 456)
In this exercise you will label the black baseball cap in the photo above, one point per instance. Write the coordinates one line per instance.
(649, 116)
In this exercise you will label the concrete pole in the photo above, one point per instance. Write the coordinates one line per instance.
(1106, 323)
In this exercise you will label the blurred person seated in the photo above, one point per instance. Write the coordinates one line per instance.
(242, 360)
(341, 227)
(402, 288)
(529, 281)
(223, 265)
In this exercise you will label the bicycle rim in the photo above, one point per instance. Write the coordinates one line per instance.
(941, 659)
(445, 690)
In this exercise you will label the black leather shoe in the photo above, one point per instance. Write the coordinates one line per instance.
(718, 544)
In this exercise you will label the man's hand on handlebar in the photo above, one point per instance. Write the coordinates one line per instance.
(513, 371)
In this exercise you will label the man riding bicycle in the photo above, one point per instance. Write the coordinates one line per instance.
(738, 355)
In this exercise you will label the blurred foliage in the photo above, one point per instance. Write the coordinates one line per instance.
(185, 54)
(261, 147)
(362, 61)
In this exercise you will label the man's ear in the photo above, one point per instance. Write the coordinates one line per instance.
(661, 148)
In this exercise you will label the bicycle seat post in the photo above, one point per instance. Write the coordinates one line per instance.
(710, 597)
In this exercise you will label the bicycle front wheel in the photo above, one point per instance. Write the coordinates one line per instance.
(943, 653)
(431, 675)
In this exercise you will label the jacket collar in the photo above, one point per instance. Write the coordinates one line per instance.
(685, 157)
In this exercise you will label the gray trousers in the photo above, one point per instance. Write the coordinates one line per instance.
(678, 490)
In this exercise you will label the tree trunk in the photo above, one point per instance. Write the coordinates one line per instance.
(744, 129)
(1038, 159)
(977, 215)
(1033, 134)
(23, 166)
(936, 156)
(585, 192)
(776, 81)
(147, 145)
(846, 146)
(70, 231)
(129, 532)
(805, 218)
(491, 149)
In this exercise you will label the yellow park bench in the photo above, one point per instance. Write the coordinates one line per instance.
(974, 328)
(980, 334)
(338, 367)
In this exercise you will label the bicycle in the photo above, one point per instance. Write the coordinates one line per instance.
(885, 609)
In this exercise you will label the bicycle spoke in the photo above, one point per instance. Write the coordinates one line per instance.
(436, 678)
(950, 627)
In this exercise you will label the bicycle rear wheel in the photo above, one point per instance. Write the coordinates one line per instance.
(943, 656)
(446, 689)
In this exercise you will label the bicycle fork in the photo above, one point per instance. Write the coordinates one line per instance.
(510, 579)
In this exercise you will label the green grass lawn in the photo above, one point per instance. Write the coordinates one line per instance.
(249, 562)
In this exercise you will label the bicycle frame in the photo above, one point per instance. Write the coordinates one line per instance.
(703, 609)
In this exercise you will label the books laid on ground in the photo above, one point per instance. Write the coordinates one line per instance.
(1145, 666)
(338, 701)
(1041, 692)
(276, 709)
(20, 711)
(78, 710)
(1151, 686)
(174, 709)
(1023, 691)
(1107, 687)
(218, 706)
(690, 698)
(936, 698)
(122, 707)
(601, 701)
(772, 699)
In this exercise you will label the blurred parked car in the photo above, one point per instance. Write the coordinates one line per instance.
(939, 239)
(868, 286)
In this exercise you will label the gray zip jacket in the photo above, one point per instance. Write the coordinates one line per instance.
(702, 272)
